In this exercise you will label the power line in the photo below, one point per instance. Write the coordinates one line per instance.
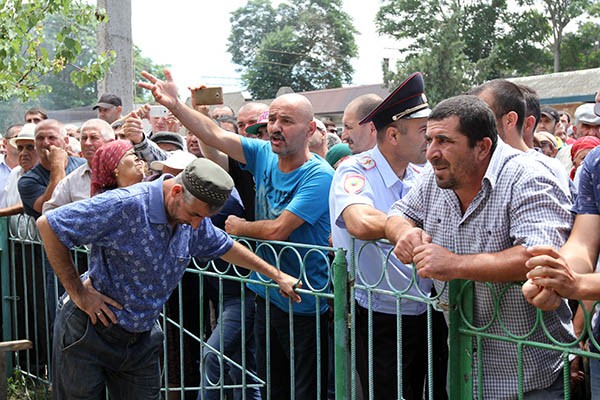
(290, 65)
(299, 54)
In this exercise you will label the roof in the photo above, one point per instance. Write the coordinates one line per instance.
(326, 101)
(564, 87)
(335, 100)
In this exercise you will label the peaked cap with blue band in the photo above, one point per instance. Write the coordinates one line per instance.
(407, 101)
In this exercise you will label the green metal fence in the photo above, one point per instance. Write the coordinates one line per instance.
(189, 316)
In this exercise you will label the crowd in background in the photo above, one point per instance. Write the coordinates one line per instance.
(491, 175)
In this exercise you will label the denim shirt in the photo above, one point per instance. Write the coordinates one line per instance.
(136, 258)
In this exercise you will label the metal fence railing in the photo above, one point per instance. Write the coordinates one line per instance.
(195, 360)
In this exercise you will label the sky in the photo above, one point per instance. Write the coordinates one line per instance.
(191, 36)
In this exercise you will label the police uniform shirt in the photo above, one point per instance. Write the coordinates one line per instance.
(367, 178)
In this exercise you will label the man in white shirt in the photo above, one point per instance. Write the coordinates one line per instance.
(76, 186)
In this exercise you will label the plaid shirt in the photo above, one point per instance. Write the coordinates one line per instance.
(518, 204)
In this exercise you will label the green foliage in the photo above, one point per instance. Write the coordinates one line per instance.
(459, 44)
(140, 64)
(28, 54)
(581, 49)
(303, 44)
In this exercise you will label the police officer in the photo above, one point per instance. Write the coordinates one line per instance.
(363, 189)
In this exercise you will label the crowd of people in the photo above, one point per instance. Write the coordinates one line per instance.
(486, 186)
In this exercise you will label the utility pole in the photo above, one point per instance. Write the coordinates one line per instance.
(115, 35)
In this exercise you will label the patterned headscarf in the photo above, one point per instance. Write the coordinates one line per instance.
(105, 162)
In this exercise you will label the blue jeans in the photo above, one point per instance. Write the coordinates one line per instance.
(595, 378)
(306, 368)
(87, 357)
(229, 328)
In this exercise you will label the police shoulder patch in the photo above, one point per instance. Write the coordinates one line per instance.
(354, 183)
(367, 162)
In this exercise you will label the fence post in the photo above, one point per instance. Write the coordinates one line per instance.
(460, 356)
(6, 311)
(340, 315)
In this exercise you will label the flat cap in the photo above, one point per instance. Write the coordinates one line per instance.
(407, 101)
(207, 182)
(108, 100)
(168, 137)
(585, 113)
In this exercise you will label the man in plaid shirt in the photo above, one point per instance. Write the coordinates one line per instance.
(478, 207)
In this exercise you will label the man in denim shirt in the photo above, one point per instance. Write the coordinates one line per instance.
(143, 238)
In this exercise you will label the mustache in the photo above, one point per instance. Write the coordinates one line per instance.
(277, 136)
(439, 163)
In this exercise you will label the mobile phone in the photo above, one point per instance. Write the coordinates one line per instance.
(159, 111)
(207, 96)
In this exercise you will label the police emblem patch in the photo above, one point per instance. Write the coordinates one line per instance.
(354, 183)
(367, 163)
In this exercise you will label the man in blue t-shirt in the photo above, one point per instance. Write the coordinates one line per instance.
(143, 238)
(292, 187)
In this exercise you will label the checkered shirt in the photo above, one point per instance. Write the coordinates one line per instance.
(518, 204)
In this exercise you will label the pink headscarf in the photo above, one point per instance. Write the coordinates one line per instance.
(583, 143)
(105, 162)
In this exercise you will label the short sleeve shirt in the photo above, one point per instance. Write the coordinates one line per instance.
(34, 183)
(136, 257)
(368, 179)
(303, 192)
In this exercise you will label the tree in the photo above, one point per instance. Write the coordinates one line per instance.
(560, 13)
(27, 53)
(458, 44)
(141, 63)
(581, 49)
(303, 44)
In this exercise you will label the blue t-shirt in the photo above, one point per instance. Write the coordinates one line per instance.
(303, 192)
(135, 258)
(34, 183)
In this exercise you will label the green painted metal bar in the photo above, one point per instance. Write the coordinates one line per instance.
(460, 355)
(5, 291)
(340, 314)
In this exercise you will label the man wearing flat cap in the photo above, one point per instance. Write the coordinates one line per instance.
(109, 107)
(143, 238)
(587, 123)
(291, 204)
(364, 188)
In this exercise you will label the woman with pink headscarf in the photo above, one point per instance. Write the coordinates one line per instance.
(115, 165)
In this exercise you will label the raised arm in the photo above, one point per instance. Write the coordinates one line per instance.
(58, 159)
(165, 92)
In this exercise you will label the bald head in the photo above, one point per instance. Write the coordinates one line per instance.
(360, 137)
(300, 104)
(363, 105)
(101, 126)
